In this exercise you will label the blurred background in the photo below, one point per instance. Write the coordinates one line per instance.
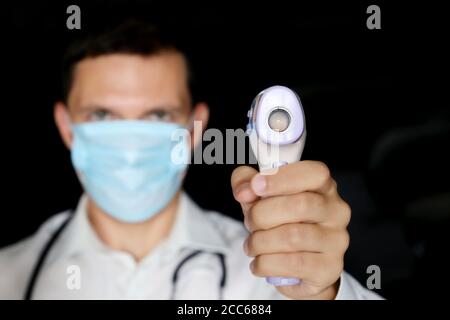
(373, 103)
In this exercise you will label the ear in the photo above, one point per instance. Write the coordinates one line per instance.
(201, 117)
(61, 117)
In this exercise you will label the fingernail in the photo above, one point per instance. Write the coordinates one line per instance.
(252, 265)
(259, 185)
(241, 188)
(246, 246)
(246, 223)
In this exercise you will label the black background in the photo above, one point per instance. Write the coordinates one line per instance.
(358, 86)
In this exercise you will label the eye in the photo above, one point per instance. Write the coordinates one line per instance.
(159, 115)
(100, 115)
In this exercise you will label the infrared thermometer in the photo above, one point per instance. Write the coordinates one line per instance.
(277, 135)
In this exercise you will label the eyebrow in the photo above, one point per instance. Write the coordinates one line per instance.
(174, 108)
(164, 109)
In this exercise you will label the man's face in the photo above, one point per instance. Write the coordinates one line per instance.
(131, 87)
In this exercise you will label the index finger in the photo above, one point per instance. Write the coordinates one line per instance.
(313, 176)
(240, 184)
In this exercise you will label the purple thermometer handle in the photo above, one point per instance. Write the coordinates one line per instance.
(280, 281)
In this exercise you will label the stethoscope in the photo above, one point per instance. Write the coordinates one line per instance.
(277, 134)
(175, 276)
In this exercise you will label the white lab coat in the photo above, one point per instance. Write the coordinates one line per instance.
(80, 266)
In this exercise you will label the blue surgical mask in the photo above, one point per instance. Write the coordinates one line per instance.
(131, 169)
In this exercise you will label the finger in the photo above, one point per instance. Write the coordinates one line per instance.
(295, 178)
(240, 184)
(294, 238)
(306, 207)
(314, 269)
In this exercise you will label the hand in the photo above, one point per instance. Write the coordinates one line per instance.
(298, 226)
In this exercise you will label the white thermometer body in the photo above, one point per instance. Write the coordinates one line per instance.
(277, 135)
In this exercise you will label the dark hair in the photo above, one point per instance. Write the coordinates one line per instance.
(132, 37)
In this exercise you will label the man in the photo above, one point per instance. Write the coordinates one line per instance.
(134, 233)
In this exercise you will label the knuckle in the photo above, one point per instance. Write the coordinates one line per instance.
(346, 241)
(345, 213)
(322, 172)
(343, 241)
(334, 185)
(338, 242)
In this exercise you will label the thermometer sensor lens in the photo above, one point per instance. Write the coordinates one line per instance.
(279, 120)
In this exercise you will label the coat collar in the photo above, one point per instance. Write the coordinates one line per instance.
(193, 229)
